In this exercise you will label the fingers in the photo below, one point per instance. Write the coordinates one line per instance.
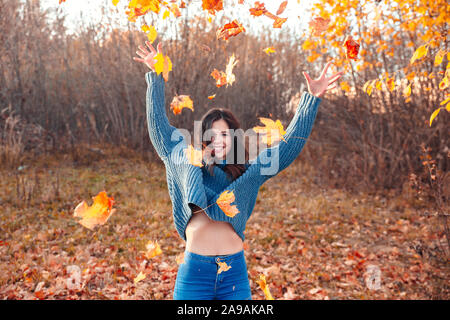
(306, 76)
(333, 79)
(324, 72)
(331, 87)
(142, 55)
(150, 46)
(138, 59)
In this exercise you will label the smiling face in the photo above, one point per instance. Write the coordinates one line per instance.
(221, 141)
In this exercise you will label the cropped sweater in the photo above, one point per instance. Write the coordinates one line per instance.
(189, 184)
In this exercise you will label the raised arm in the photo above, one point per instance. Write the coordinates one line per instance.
(162, 134)
(159, 128)
(275, 159)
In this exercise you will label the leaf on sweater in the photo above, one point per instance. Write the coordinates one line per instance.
(352, 47)
(98, 213)
(153, 249)
(194, 156)
(223, 267)
(181, 101)
(273, 130)
(265, 288)
(224, 202)
(230, 30)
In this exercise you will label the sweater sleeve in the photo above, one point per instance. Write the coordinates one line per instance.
(275, 159)
(160, 131)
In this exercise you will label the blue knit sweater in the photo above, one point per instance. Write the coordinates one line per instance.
(189, 184)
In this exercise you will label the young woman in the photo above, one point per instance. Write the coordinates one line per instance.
(214, 265)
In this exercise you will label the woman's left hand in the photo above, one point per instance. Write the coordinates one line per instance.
(318, 86)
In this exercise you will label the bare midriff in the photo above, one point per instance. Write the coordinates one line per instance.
(209, 237)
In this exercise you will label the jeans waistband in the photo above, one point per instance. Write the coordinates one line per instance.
(216, 258)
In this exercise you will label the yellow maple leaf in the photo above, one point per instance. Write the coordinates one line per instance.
(223, 267)
(194, 156)
(265, 288)
(224, 202)
(98, 213)
(153, 249)
(163, 64)
(269, 50)
(419, 53)
(273, 130)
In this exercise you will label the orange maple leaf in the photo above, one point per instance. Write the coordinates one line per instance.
(352, 47)
(181, 101)
(229, 30)
(319, 25)
(212, 6)
(224, 202)
(98, 213)
(282, 7)
(226, 77)
(258, 10)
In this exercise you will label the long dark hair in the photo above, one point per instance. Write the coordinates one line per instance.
(234, 169)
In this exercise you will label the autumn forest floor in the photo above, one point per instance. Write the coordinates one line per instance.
(310, 242)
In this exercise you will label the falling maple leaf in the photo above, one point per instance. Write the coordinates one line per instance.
(419, 53)
(224, 202)
(150, 31)
(230, 30)
(153, 249)
(175, 10)
(279, 22)
(115, 2)
(273, 130)
(181, 101)
(163, 64)
(194, 156)
(227, 77)
(434, 115)
(61, 1)
(352, 47)
(319, 25)
(281, 8)
(223, 267)
(212, 6)
(212, 96)
(265, 288)
(258, 10)
(98, 213)
(269, 50)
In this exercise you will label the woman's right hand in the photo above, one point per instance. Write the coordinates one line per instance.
(147, 57)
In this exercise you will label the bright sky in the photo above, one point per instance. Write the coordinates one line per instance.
(90, 11)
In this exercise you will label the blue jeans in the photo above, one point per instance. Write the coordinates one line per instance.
(198, 278)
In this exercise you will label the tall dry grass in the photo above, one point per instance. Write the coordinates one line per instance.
(86, 89)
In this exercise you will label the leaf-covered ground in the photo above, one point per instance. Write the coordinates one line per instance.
(310, 242)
